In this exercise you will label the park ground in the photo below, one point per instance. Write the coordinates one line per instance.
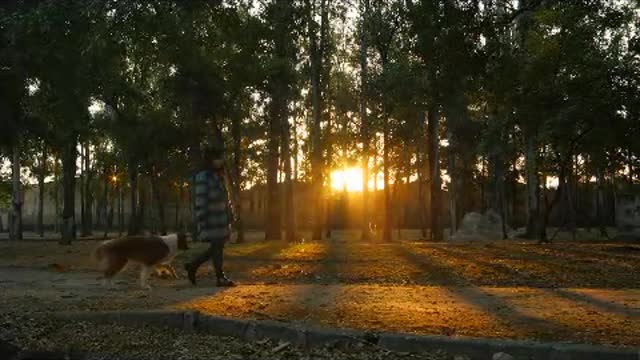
(581, 292)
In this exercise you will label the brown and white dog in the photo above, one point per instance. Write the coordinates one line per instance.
(148, 251)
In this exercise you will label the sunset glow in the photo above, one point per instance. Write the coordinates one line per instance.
(351, 178)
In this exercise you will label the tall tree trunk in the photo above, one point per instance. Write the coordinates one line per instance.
(497, 181)
(87, 225)
(56, 193)
(316, 59)
(386, 233)
(296, 149)
(422, 208)
(89, 192)
(104, 205)
(433, 119)
(133, 216)
(535, 226)
(327, 144)
(452, 190)
(289, 211)
(15, 230)
(178, 203)
(236, 131)
(108, 206)
(364, 119)
(601, 214)
(157, 194)
(500, 190)
(273, 227)
(83, 199)
(142, 206)
(120, 210)
(41, 174)
(69, 157)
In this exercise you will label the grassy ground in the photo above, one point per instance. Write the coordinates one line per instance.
(112, 341)
(586, 291)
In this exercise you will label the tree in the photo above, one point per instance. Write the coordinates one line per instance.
(318, 38)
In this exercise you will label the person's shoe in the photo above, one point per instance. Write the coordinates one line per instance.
(224, 281)
(191, 273)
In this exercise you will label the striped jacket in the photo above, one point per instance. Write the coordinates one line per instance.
(211, 206)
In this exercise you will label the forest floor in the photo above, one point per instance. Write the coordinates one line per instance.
(584, 292)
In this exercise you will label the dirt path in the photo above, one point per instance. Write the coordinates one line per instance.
(577, 315)
(575, 292)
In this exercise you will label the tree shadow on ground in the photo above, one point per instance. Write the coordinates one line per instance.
(519, 322)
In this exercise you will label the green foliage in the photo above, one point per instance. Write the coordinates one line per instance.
(170, 75)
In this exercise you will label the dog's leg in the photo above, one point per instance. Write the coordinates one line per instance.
(144, 276)
(112, 266)
(172, 270)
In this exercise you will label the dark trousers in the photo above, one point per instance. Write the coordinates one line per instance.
(215, 252)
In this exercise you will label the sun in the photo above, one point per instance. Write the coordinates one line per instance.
(350, 179)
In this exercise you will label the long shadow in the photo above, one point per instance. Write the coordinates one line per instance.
(308, 297)
(611, 307)
(333, 260)
(572, 253)
(263, 250)
(303, 291)
(514, 277)
(620, 252)
(592, 272)
(471, 294)
(602, 273)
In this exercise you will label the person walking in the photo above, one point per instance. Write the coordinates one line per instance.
(213, 211)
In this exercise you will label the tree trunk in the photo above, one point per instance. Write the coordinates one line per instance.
(88, 193)
(69, 157)
(120, 210)
(104, 206)
(41, 174)
(178, 202)
(433, 119)
(108, 207)
(601, 214)
(364, 118)
(290, 219)
(296, 149)
(316, 103)
(535, 226)
(386, 233)
(133, 216)
(157, 194)
(326, 173)
(498, 182)
(236, 131)
(452, 190)
(142, 206)
(83, 175)
(422, 208)
(273, 227)
(15, 229)
(87, 224)
(56, 193)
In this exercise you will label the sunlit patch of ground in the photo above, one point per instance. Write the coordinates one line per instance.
(572, 291)
(551, 315)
